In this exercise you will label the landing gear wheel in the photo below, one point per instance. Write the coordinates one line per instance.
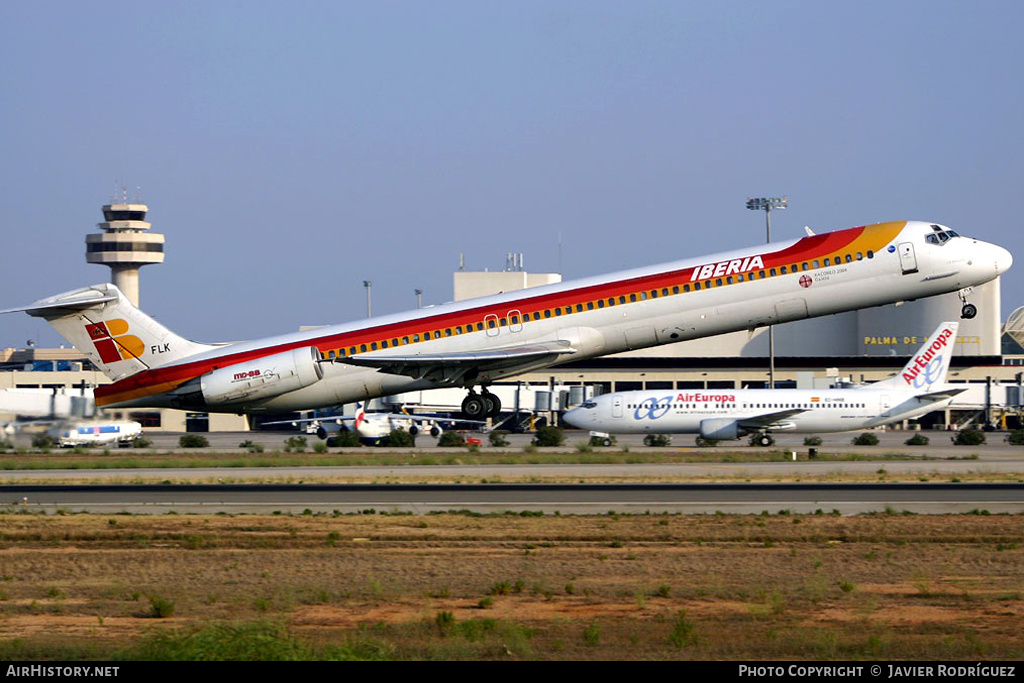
(493, 404)
(474, 407)
(764, 441)
(968, 311)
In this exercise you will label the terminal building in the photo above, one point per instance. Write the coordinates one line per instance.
(856, 347)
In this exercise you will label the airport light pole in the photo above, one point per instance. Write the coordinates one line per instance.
(766, 204)
(369, 286)
(419, 298)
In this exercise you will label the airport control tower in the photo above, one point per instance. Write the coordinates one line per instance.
(125, 245)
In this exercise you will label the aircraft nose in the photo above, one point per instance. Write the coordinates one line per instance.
(1003, 259)
(577, 417)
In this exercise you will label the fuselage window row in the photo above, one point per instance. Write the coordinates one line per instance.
(492, 322)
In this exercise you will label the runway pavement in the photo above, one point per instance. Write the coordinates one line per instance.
(549, 488)
(519, 498)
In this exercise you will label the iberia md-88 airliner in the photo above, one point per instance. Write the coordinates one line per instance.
(474, 342)
(919, 388)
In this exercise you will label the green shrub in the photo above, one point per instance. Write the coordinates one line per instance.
(263, 641)
(193, 441)
(917, 440)
(348, 439)
(683, 632)
(812, 440)
(43, 441)
(549, 436)
(865, 439)
(160, 608)
(251, 446)
(969, 437)
(397, 438)
(295, 444)
(141, 442)
(445, 621)
(497, 438)
(592, 634)
(658, 440)
(1016, 437)
(450, 439)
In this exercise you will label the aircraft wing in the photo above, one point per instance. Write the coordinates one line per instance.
(940, 395)
(337, 419)
(453, 368)
(768, 419)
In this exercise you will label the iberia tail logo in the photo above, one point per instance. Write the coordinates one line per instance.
(111, 342)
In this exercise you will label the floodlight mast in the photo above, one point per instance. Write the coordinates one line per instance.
(766, 204)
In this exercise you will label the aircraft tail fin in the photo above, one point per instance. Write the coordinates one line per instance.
(929, 366)
(116, 336)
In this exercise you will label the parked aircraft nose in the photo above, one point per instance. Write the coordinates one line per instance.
(579, 417)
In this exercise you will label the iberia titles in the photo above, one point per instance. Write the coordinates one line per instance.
(724, 268)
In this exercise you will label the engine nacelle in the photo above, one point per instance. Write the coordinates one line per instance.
(434, 430)
(262, 377)
(719, 428)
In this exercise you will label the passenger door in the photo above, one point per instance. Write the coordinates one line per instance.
(908, 260)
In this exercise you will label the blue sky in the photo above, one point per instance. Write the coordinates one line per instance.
(290, 151)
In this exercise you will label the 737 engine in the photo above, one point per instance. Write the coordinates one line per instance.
(261, 378)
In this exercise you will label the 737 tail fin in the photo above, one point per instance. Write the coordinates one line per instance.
(117, 337)
(928, 367)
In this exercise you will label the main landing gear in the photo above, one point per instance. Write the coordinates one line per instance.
(968, 310)
(480, 406)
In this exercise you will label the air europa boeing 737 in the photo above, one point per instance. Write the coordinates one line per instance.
(472, 343)
(919, 388)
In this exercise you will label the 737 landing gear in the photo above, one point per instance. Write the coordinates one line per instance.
(480, 406)
(968, 310)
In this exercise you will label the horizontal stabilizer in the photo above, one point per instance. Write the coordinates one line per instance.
(940, 395)
(110, 331)
(57, 305)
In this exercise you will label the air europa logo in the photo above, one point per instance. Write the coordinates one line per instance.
(928, 362)
(111, 342)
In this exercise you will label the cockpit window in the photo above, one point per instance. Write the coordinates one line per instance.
(939, 235)
(589, 404)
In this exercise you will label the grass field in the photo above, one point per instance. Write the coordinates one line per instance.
(458, 586)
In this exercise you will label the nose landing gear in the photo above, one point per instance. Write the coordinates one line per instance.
(968, 310)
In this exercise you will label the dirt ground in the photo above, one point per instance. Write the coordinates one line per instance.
(554, 587)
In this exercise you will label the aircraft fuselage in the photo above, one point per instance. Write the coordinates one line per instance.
(747, 288)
